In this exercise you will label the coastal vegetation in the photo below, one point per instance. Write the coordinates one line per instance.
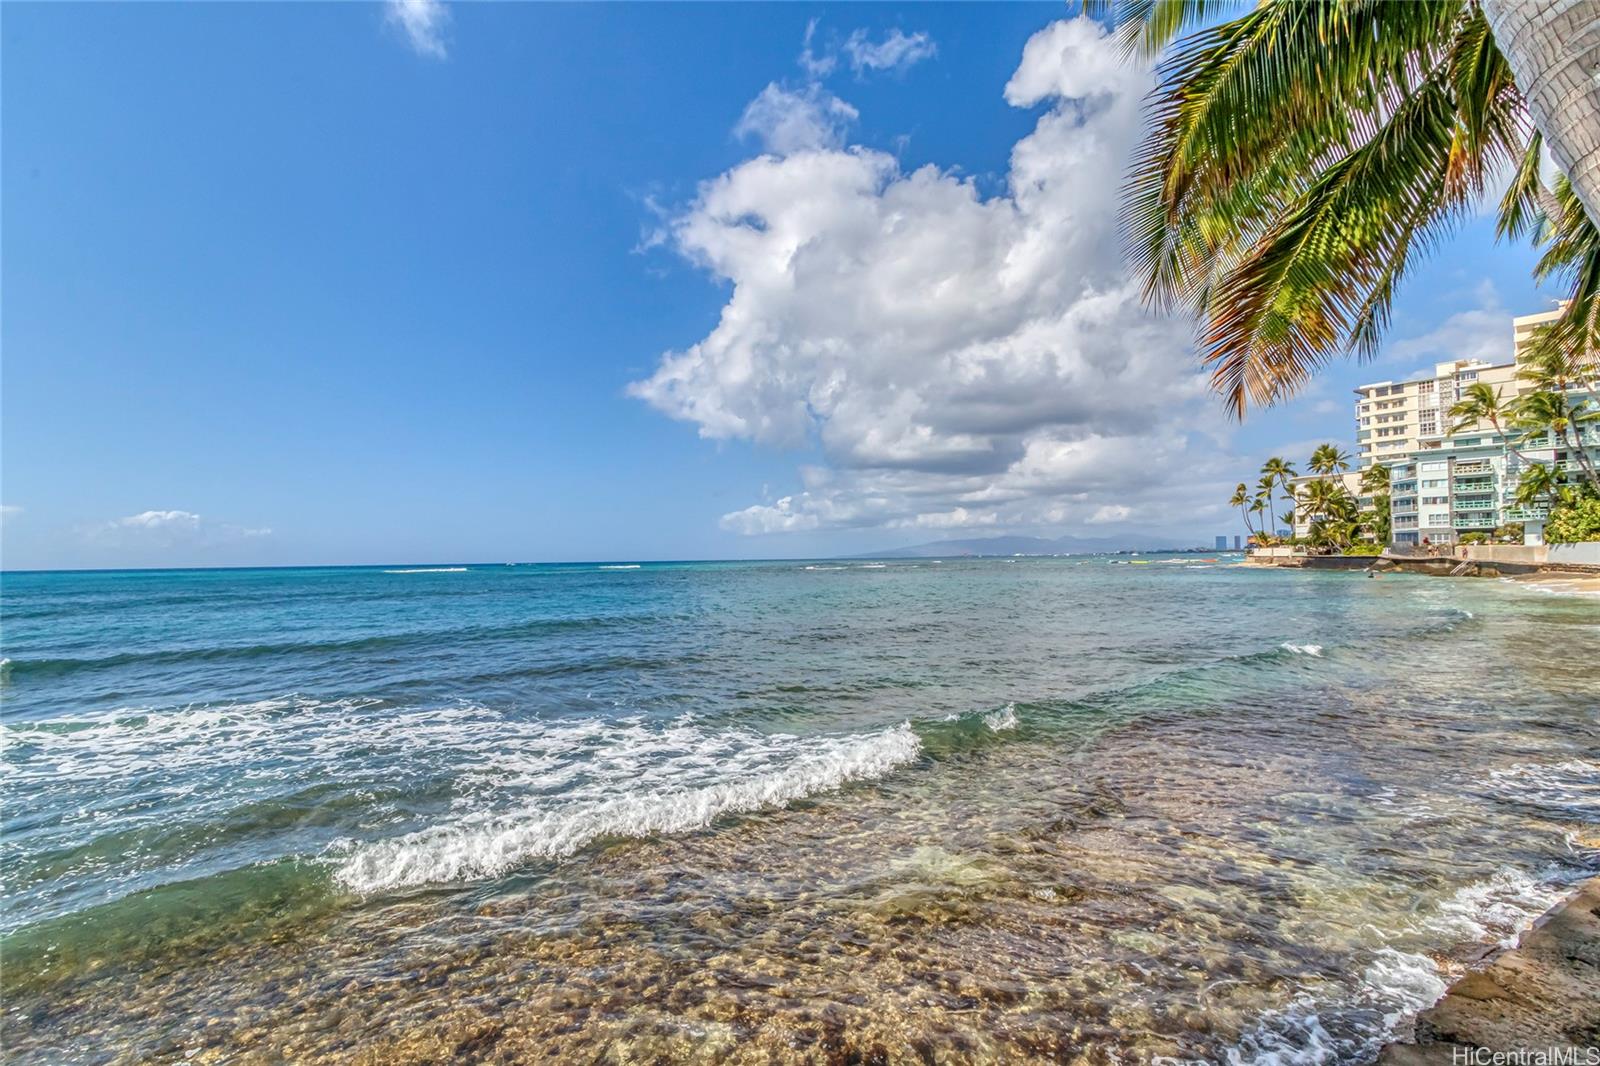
(1302, 157)
(1334, 517)
(1556, 414)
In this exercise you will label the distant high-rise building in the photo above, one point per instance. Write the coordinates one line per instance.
(1448, 478)
(1236, 542)
(1222, 542)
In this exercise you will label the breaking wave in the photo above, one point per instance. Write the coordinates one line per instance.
(1302, 649)
(696, 778)
(1003, 719)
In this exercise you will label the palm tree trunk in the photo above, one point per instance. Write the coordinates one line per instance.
(1553, 48)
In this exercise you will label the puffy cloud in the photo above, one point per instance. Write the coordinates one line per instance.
(1071, 60)
(423, 22)
(897, 51)
(9, 511)
(957, 360)
(795, 120)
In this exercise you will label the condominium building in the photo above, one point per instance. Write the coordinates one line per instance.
(1442, 483)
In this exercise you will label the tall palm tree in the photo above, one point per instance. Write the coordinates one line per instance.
(1375, 480)
(1328, 460)
(1538, 413)
(1280, 470)
(1538, 39)
(1303, 156)
(1258, 506)
(1482, 403)
(1264, 487)
(1241, 500)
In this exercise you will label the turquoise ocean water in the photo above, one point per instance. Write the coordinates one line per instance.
(955, 810)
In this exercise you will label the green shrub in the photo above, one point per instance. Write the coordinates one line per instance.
(1574, 521)
(1364, 549)
(1510, 533)
(1473, 538)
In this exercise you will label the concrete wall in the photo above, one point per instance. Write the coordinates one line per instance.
(1502, 553)
(1587, 553)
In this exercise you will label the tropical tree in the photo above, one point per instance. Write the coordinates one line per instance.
(1258, 505)
(1279, 470)
(1539, 485)
(1483, 403)
(1329, 510)
(1538, 413)
(1301, 157)
(1241, 499)
(1328, 459)
(1378, 521)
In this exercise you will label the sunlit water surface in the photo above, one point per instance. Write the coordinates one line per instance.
(983, 810)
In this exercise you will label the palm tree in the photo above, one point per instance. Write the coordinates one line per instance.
(1325, 504)
(1257, 506)
(1280, 470)
(1538, 413)
(1538, 486)
(1328, 459)
(1303, 156)
(1241, 500)
(1536, 46)
(1264, 487)
(1375, 481)
(1482, 403)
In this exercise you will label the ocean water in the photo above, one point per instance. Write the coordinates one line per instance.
(962, 810)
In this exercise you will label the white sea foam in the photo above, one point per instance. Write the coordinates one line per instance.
(1003, 719)
(873, 566)
(824, 568)
(637, 782)
(1495, 911)
(1302, 649)
(431, 570)
(1335, 1025)
(1402, 983)
(620, 566)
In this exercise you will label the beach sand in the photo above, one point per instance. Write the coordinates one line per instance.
(1564, 581)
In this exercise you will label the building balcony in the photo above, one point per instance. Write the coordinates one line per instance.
(1525, 514)
(1475, 505)
(1463, 469)
(1470, 522)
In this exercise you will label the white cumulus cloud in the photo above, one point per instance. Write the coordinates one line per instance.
(959, 361)
(423, 22)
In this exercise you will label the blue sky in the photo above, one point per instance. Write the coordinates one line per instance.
(306, 283)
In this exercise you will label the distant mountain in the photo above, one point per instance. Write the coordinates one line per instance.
(1004, 545)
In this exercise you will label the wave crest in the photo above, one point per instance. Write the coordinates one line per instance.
(759, 773)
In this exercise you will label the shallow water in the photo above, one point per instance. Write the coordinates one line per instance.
(981, 810)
